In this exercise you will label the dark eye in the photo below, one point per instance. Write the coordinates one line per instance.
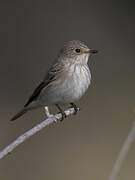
(77, 50)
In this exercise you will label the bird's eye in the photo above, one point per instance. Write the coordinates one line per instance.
(77, 50)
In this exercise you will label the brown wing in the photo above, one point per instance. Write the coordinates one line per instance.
(52, 74)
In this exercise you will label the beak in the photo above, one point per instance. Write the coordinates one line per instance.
(92, 51)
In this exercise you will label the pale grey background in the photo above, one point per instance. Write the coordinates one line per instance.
(84, 146)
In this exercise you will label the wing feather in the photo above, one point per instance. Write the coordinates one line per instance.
(52, 74)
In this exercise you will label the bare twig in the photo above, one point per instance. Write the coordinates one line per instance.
(50, 119)
(123, 153)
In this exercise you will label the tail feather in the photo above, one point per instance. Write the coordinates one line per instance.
(19, 114)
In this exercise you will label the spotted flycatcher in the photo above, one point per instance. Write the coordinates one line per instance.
(66, 81)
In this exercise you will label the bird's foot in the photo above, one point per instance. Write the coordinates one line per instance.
(63, 114)
(76, 109)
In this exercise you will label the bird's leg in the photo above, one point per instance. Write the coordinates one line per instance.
(61, 111)
(76, 109)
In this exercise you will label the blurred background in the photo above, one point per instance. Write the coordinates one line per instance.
(84, 146)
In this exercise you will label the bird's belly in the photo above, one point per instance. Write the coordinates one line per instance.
(69, 89)
(75, 88)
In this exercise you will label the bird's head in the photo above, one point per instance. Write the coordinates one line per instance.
(77, 51)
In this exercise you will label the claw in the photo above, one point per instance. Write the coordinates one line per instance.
(63, 116)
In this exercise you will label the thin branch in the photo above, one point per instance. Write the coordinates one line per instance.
(50, 119)
(123, 153)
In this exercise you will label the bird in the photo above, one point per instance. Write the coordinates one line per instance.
(65, 82)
